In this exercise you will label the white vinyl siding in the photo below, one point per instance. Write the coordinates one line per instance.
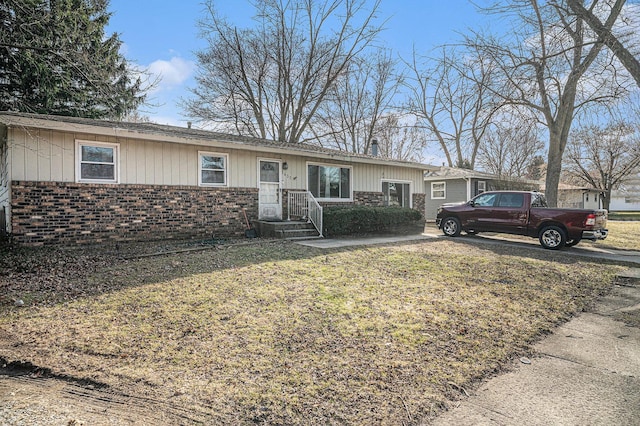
(50, 156)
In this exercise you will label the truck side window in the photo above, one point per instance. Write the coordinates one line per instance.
(511, 200)
(537, 200)
(485, 200)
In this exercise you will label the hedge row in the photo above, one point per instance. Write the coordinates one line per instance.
(364, 220)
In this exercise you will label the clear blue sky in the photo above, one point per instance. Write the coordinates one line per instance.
(162, 35)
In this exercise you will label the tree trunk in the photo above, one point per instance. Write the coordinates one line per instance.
(606, 203)
(554, 168)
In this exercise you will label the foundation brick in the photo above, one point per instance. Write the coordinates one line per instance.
(75, 213)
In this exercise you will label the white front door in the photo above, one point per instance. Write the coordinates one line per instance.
(270, 190)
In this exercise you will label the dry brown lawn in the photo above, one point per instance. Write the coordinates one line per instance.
(623, 235)
(279, 333)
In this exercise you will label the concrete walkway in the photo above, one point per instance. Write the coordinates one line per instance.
(584, 249)
(586, 373)
(330, 243)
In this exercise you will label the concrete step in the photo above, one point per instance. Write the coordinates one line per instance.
(299, 233)
(289, 229)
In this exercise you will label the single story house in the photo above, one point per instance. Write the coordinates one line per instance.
(73, 180)
(578, 197)
(453, 185)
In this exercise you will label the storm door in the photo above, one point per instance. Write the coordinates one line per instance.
(270, 190)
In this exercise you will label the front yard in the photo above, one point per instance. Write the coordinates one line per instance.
(623, 235)
(279, 333)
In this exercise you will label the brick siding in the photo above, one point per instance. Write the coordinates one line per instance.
(420, 203)
(73, 213)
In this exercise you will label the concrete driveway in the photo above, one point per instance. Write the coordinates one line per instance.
(584, 249)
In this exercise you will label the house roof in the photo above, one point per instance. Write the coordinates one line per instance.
(175, 134)
(566, 187)
(444, 173)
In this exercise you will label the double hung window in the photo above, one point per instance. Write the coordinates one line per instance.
(212, 169)
(97, 162)
(438, 190)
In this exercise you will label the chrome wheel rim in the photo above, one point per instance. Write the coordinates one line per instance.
(552, 238)
(450, 227)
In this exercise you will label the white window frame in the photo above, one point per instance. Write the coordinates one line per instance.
(225, 170)
(444, 190)
(79, 162)
(403, 182)
(339, 166)
(482, 186)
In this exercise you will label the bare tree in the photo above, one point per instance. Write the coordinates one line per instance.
(401, 138)
(603, 157)
(453, 102)
(613, 42)
(553, 65)
(269, 81)
(357, 104)
(510, 147)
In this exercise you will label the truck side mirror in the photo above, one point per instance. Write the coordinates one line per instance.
(472, 203)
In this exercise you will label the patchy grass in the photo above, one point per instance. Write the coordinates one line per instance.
(278, 333)
(623, 235)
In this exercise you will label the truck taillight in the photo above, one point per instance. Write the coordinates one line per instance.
(591, 220)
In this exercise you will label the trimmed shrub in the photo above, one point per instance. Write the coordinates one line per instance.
(363, 220)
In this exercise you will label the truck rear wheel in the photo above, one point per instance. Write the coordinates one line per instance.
(552, 237)
(451, 227)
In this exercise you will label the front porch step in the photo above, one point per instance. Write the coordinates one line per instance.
(287, 229)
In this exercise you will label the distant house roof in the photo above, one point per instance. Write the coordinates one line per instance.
(566, 187)
(444, 173)
(456, 173)
(166, 133)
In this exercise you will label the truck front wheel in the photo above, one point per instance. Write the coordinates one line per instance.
(552, 238)
(451, 227)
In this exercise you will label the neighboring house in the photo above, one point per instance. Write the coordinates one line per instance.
(73, 180)
(627, 196)
(576, 197)
(453, 185)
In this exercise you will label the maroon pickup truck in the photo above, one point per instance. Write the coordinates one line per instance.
(522, 213)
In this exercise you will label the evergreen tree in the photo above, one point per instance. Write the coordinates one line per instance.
(56, 59)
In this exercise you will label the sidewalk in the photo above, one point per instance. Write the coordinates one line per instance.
(586, 373)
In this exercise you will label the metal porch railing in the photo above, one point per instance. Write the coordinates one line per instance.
(304, 205)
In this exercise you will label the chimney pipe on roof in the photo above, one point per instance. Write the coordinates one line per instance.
(188, 124)
(374, 147)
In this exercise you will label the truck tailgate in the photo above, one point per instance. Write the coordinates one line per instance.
(601, 219)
